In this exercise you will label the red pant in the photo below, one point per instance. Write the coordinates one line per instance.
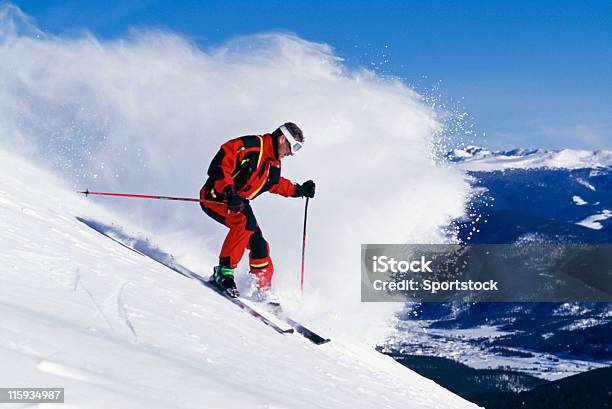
(244, 232)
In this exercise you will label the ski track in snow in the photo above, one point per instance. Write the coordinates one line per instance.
(121, 308)
(116, 329)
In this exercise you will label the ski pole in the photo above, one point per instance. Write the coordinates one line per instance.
(304, 245)
(187, 199)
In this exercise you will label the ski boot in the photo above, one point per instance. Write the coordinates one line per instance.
(268, 298)
(223, 278)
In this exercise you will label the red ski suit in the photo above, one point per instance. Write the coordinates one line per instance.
(249, 163)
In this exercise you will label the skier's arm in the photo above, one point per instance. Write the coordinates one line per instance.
(223, 165)
(284, 187)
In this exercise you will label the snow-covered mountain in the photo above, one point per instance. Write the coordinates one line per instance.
(524, 196)
(474, 158)
(541, 190)
(115, 329)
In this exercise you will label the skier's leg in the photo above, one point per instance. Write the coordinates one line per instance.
(259, 259)
(240, 229)
(216, 210)
(223, 274)
(244, 232)
(237, 238)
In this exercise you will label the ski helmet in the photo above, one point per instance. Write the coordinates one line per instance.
(294, 136)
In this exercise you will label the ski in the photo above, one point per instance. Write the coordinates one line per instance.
(246, 304)
(240, 302)
(307, 333)
(277, 320)
(272, 321)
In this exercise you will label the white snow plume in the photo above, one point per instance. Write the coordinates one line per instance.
(146, 113)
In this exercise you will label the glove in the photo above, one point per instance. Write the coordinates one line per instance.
(234, 202)
(307, 189)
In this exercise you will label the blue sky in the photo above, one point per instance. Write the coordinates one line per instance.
(530, 74)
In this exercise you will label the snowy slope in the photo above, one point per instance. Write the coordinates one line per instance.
(120, 331)
(474, 158)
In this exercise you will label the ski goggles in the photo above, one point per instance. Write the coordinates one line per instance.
(294, 144)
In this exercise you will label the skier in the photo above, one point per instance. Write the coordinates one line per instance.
(244, 168)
